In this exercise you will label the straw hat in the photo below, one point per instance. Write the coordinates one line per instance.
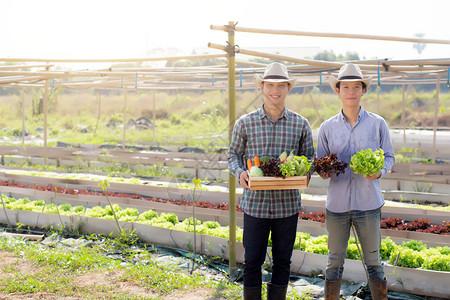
(275, 72)
(349, 72)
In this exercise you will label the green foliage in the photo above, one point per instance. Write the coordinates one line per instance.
(436, 260)
(103, 184)
(316, 248)
(405, 257)
(329, 55)
(386, 248)
(147, 215)
(352, 251)
(295, 166)
(414, 245)
(400, 158)
(367, 162)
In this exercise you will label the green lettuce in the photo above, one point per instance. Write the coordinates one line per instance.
(295, 166)
(367, 162)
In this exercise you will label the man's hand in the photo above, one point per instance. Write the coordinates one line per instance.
(374, 176)
(243, 179)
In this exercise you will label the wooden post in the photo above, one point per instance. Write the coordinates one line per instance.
(22, 98)
(124, 132)
(231, 118)
(436, 112)
(403, 113)
(99, 110)
(154, 118)
(46, 119)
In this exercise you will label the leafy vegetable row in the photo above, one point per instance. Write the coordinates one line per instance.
(412, 254)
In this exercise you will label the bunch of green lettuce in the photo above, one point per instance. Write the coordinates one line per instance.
(295, 166)
(367, 162)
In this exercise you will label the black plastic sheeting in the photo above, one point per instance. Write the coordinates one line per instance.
(313, 286)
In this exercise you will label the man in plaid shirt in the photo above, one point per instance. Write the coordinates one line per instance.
(269, 131)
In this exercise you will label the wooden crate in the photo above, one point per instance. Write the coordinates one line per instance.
(278, 183)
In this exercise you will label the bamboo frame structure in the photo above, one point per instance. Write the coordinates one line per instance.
(333, 35)
(402, 67)
(36, 72)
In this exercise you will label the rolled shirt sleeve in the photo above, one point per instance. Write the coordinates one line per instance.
(237, 149)
(386, 145)
(306, 144)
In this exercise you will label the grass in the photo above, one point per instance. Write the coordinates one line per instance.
(112, 169)
(56, 271)
(191, 119)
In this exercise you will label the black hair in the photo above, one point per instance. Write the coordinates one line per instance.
(338, 85)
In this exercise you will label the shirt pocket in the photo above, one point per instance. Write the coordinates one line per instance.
(289, 141)
(257, 139)
(337, 142)
(369, 139)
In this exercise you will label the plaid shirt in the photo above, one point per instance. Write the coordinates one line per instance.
(256, 134)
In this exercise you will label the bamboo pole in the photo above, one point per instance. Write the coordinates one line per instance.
(403, 113)
(319, 63)
(22, 98)
(406, 62)
(310, 62)
(436, 112)
(125, 104)
(45, 106)
(143, 59)
(99, 110)
(334, 35)
(16, 79)
(12, 67)
(232, 117)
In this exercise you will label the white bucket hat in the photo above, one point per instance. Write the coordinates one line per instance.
(275, 72)
(349, 72)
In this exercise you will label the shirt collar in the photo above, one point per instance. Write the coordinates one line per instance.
(262, 113)
(361, 114)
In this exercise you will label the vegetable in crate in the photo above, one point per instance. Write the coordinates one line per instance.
(367, 162)
(328, 165)
(294, 165)
(270, 167)
(254, 171)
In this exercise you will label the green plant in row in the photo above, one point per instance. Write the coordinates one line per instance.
(411, 254)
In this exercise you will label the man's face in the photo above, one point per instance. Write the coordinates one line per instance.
(350, 93)
(275, 92)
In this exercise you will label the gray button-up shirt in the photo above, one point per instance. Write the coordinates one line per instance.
(350, 191)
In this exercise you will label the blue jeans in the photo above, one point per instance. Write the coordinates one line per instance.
(367, 225)
(256, 235)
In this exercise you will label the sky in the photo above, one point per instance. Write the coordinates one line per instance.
(127, 29)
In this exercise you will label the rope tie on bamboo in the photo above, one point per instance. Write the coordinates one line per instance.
(136, 80)
(213, 80)
(320, 79)
(232, 49)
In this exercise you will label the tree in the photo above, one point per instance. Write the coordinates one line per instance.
(329, 55)
(325, 55)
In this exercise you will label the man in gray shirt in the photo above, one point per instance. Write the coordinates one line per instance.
(353, 199)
